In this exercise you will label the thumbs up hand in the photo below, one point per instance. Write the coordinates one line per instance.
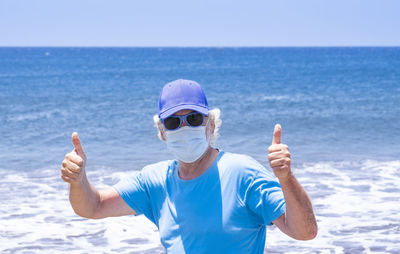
(74, 163)
(279, 155)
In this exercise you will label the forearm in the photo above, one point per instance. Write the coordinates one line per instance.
(300, 219)
(84, 198)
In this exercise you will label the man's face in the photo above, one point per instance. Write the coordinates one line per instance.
(188, 111)
(209, 128)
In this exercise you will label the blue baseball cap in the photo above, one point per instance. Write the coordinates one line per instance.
(181, 94)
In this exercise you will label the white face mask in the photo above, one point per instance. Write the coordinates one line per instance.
(187, 144)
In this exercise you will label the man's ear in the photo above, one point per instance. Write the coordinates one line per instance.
(211, 125)
(161, 130)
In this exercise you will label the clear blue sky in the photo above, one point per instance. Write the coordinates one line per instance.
(200, 23)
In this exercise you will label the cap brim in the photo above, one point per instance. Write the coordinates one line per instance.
(173, 110)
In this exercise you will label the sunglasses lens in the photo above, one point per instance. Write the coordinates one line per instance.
(195, 119)
(171, 123)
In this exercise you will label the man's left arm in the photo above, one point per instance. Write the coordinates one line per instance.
(298, 221)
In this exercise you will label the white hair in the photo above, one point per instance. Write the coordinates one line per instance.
(213, 116)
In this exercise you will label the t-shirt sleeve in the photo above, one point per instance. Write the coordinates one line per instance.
(134, 192)
(264, 197)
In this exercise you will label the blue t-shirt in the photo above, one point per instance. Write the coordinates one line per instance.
(224, 210)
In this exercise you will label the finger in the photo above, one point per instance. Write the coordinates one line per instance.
(278, 147)
(72, 167)
(275, 156)
(75, 158)
(281, 168)
(67, 179)
(278, 154)
(77, 144)
(277, 162)
(277, 134)
(274, 148)
(69, 174)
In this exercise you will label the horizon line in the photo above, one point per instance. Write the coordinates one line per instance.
(287, 46)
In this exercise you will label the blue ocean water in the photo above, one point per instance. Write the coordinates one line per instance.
(333, 103)
(338, 107)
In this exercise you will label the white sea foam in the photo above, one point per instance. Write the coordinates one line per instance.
(275, 97)
(290, 98)
(35, 216)
(357, 208)
(356, 204)
(31, 116)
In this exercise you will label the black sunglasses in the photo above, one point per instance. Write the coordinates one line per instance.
(193, 119)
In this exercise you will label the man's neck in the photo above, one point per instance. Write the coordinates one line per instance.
(189, 171)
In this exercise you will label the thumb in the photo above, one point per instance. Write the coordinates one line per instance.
(277, 134)
(77, 144)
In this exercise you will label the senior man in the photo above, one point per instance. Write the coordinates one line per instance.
(205, 200)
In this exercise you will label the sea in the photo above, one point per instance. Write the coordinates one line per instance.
(339, 108)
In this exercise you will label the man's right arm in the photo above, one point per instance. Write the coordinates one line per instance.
(85, 199)
(91, 203)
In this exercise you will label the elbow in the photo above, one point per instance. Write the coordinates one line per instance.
(87, 215)
(309, 235)
(82, 214)
(314, 231)
(96, 217)
(87, 211)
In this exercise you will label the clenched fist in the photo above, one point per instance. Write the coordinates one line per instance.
(73, 165)
(279, 155)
